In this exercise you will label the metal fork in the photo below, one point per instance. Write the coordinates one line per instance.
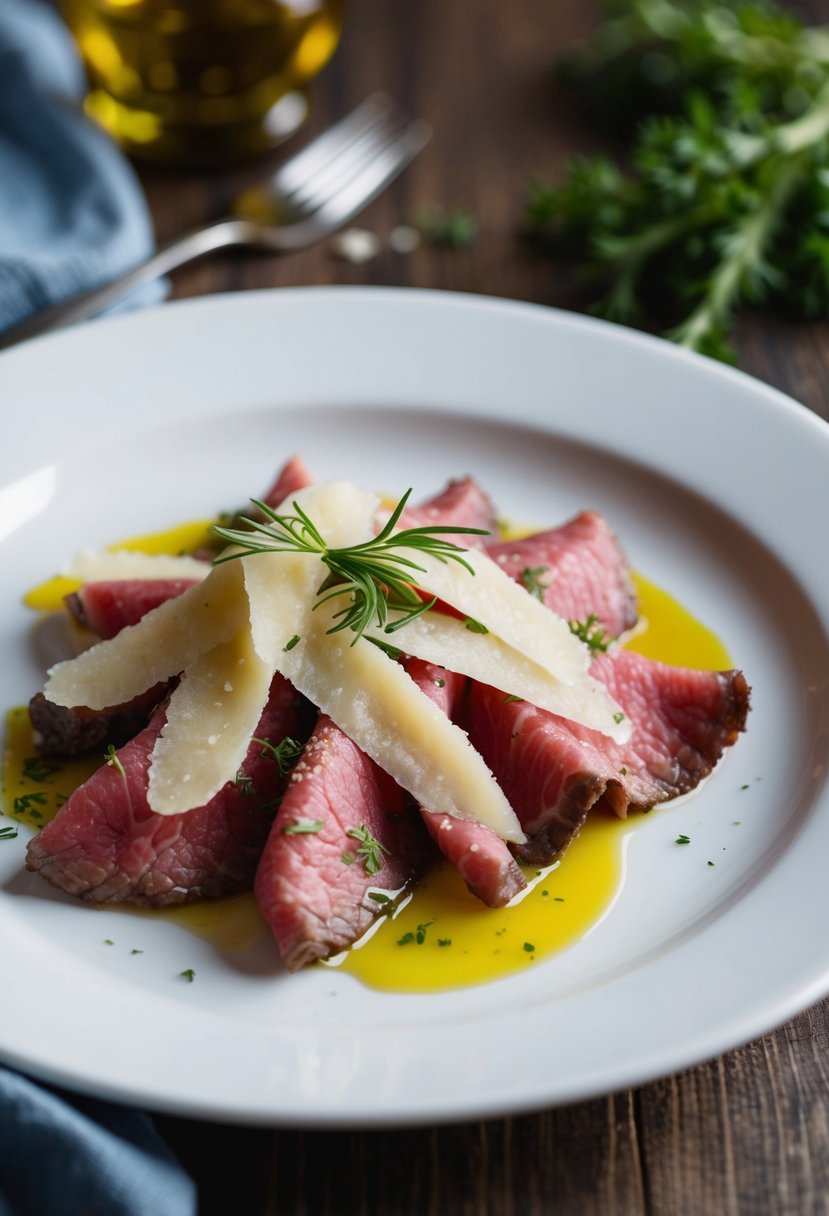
(308, 198)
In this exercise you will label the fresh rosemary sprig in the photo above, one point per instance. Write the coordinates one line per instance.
(375, 575)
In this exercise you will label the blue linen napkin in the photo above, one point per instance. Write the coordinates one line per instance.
(71, 211)
(71, 214)
(64, 1155)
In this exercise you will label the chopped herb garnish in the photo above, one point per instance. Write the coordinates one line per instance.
(303, 827)
(375, 576)
(682, 839)
(35, 768)
(623, 770)
(440, 683)
(406, 939)
(112, 759)
(108, 941)
(347, 858)
(559, 899)
(134, 951)
(589, 633)
(474, 626)
(294, 641)
(529, 947)
(246, 786)
(380, 897)
(283, 753)
(744, 787)
(369, 850)
(420, 935)
(444, 941)
(529, 577)
(188, 974)
(618, 717)
(712, 863)
(8, 833)
(23, 803)
(508, 700)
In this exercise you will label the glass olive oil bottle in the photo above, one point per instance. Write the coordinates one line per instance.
(195, 82)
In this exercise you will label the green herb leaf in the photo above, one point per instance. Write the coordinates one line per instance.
(370, 849)
(530, 579)
(589, 633)
(303, 827)
(682, 839)
(474, 626)
(188, 974)
(294, 641)
(283, 753)
(113, 761)
(8, 833)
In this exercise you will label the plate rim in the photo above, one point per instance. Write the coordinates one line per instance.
(776, 1011)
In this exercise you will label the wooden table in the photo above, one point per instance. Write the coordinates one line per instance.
(747, 1133)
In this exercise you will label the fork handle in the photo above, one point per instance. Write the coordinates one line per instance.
(86, 304)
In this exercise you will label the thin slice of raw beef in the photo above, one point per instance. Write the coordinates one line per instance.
(462, 503)
(482, 859)
(108, 606)
(291, 478)
(578, 569)
(553, 771)
(319, 866)
(106, 845)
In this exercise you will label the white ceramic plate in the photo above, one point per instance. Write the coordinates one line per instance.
(718, 489)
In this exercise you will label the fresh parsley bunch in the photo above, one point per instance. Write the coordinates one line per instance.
(726, 105)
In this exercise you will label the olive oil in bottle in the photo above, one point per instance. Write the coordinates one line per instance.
(195, 82)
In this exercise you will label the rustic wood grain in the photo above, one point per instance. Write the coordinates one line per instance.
(747, 1134)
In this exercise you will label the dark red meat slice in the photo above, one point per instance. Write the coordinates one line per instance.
(581, 568)
(107, 607)
(106, 845)
(312, 887)
(482, 859)
(553, 771)
(291, 478)
(462, 503)
(60, 730)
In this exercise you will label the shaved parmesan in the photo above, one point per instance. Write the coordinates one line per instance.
(162, 644)
(91, 566)
(379, 707)
(445, 640)
(211, 718)
(492, 598)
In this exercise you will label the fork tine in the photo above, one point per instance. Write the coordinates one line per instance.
(369, 181)
(342, 168)
(295, 172)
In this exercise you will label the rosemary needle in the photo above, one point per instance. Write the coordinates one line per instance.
(376, 576)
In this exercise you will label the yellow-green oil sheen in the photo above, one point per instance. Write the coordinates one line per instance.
(441, 937)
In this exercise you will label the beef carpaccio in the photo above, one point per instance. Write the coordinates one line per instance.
(326, 838)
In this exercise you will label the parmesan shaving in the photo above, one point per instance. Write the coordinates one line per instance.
(506, 609)
(379, 707)
(162, 644)
(211, 718)
(445, 640)
(91, 566)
